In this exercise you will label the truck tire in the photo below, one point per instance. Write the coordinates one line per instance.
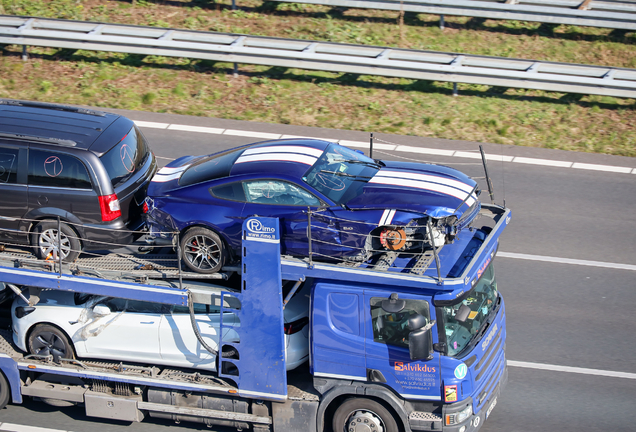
(44, 239)
(48, 340)
(202, 250)
(359, 414)
(4, 391)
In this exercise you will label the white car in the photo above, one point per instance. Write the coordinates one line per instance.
(67, 325)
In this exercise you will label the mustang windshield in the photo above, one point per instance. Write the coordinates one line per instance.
(341, 173)
(482, 301)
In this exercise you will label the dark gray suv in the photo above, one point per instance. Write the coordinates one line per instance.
(89, 168)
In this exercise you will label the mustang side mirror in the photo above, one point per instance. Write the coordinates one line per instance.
(101, 310)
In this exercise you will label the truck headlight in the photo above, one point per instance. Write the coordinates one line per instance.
(458, 417)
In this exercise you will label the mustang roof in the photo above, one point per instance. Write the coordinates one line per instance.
(292, 157)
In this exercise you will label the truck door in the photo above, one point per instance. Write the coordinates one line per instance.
(387, 347)
(337, 332)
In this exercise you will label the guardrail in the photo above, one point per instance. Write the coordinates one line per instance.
(608, 14)
(324, 56)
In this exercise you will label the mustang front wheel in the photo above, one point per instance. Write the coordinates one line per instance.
(202, 250)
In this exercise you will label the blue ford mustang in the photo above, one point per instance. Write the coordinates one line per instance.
(360, 207)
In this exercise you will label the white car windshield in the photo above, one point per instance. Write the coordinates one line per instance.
(341, 173)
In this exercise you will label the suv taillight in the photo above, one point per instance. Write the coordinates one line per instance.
(109, 205)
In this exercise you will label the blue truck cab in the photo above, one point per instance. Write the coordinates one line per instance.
(430, 347)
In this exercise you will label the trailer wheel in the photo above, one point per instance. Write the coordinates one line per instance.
(48, 340)
(358, 415)
(203, 250)
(4, 391)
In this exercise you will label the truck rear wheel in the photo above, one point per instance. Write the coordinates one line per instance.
(4, 391)
(363, 415)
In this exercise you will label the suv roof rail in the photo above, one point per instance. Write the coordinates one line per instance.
(56, 141)
(52, 106)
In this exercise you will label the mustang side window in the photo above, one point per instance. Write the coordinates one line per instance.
(393, 328)
(8, 165)
(278, 193)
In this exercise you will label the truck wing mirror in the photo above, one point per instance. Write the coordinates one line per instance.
(462, 313)
(101, 310)
(393, 304)
(417, 321)
(421, 345)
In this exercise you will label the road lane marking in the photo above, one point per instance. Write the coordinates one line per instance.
(12, 427)
(609, 168)
(398, 148)
(570, 369)
(567, 261)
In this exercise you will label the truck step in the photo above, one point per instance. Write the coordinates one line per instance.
(420, 420)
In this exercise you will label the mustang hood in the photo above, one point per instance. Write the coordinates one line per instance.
(434, 190)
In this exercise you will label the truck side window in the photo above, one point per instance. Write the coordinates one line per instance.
(392, 328)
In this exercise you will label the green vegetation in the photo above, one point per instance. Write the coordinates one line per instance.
(333, 100)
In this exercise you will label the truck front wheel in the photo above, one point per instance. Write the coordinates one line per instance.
(363, 415)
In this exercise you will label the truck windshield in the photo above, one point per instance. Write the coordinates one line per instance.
(341, 173)
(482, 300)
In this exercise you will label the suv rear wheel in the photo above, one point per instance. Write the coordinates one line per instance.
(48, 244)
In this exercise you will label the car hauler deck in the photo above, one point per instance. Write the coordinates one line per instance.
(406, 343)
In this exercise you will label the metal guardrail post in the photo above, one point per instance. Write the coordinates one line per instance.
(25, 54)
(441, 22)
(455, 92)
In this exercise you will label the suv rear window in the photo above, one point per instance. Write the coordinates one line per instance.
(126, 157)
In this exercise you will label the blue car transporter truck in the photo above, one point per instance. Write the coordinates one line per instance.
(406, 344)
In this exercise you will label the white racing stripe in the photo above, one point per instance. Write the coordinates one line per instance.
(284, 149)
(571, 369)
(417, 184)
(279, 157)
(387, 217)
(426, 178)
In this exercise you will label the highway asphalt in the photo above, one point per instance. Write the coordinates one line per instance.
(559, 315)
